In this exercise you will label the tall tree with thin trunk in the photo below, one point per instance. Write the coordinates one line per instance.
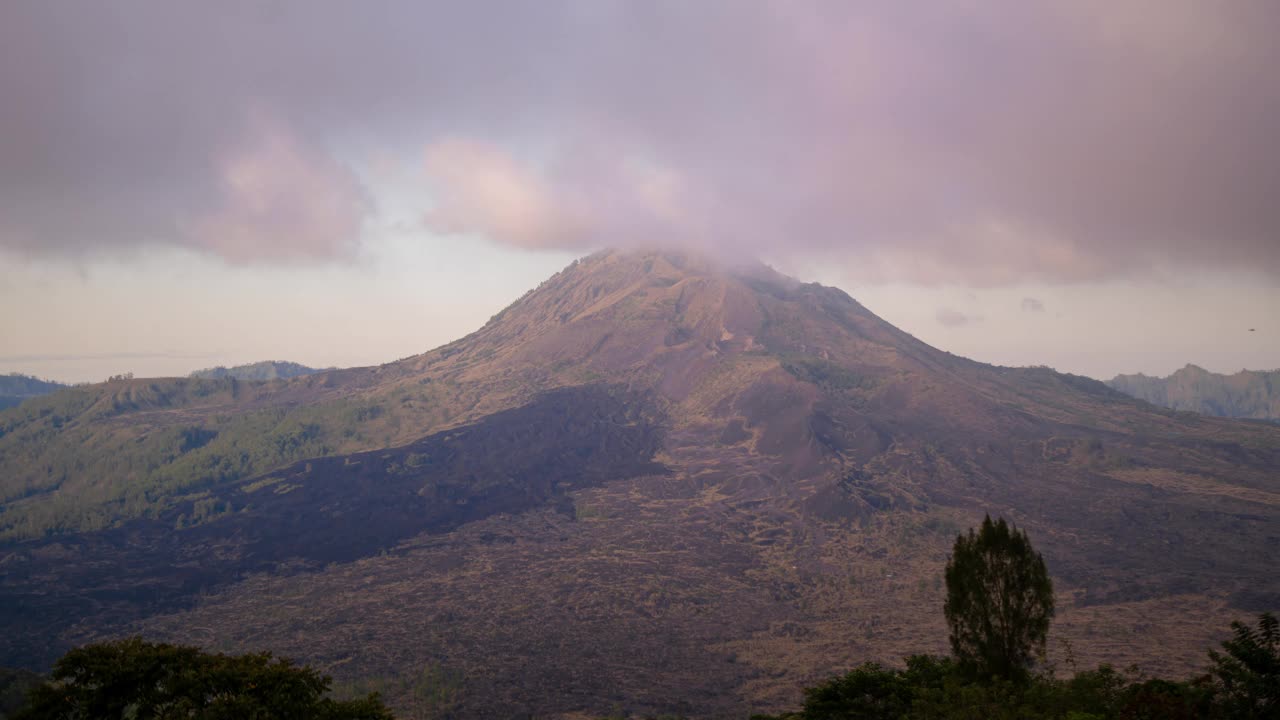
(999, 601)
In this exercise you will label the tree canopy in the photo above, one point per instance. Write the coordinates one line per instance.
(999, 601)
(1248, 669)
(155, 681)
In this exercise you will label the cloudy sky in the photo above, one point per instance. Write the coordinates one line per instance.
(1088, 184)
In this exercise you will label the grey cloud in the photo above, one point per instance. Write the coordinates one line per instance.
(952, 318)
(1030, 304)
(982, 143)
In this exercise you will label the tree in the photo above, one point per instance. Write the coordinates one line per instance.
(1248, 673)
(999, 601)
(136, 679)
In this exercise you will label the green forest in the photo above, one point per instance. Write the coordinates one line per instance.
(84, 459)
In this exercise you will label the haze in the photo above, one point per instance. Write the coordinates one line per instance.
(1081, 184)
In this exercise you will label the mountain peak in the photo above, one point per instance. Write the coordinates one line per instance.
(636, 305)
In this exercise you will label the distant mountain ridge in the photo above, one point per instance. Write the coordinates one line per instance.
(1253, 394)
(265, 370)
(16, 387)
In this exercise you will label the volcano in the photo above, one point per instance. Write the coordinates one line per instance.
(655, 483)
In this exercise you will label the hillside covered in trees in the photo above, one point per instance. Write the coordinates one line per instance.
(265, 370)
(16, 388)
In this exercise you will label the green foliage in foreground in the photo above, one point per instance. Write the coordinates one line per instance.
(1248, 672)
(14, 687)
(1243, 683)
(136, 679)
(999, 606)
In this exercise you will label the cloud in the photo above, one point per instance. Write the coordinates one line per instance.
(482, 189)
(952, 318)
(1030, 304)
(980, 143)
(619, 200)
(280, 201)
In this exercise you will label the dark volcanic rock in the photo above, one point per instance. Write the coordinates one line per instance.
(327, 510)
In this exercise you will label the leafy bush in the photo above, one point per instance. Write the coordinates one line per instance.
(136, 679)
(1248, 672)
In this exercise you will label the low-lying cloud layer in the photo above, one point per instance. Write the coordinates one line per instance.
(977, 142)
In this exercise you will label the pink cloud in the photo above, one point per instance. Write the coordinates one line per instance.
(484, 190)
(585, 199)
(281, 201)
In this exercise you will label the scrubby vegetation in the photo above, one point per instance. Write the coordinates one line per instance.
(81, 460)
(827, 375)
(161, 463)
(1243, 683)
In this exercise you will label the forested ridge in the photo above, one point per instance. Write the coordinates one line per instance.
(16, 388)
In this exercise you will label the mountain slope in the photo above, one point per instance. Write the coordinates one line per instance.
(1246, 394)
(652, 482)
